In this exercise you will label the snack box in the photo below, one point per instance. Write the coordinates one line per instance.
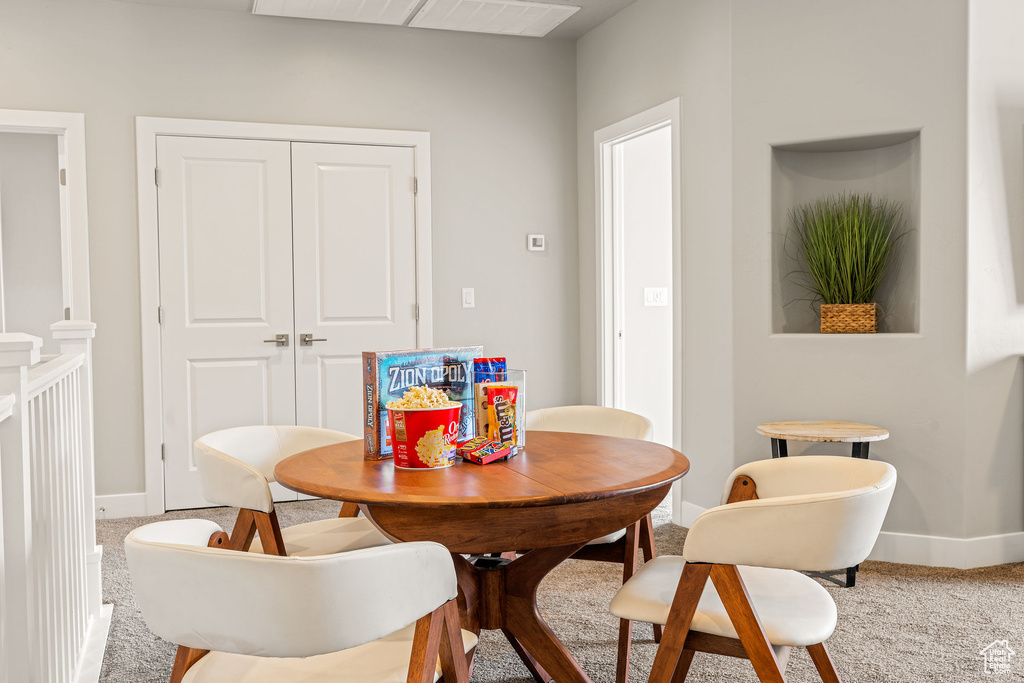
(482, 450)
(387, 375)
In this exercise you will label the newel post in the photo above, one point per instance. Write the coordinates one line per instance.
(74, 337)
(18, 351)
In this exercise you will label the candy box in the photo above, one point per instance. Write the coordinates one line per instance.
(482, 450)
(387, 375)
(485, 371)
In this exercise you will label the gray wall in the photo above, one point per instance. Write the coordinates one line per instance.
(994, 467)
(813, 70)
(652, 52)
(33, 295)
(501, 112)
(751, 75)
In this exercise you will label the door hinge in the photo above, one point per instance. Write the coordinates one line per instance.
(160, 315)
(417, 311)
(63, 176)
(163, 451)
(156, 177)
(415, 185)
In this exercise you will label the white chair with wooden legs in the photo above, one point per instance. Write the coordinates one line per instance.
(380, 614)
(735, 589)
(236, 468)
(623, 546)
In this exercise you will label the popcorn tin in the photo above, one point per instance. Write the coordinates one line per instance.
(424, 438)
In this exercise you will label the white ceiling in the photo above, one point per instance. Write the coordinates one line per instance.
(592, 12)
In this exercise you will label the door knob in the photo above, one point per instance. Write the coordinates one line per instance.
(279, 340)
(307, 340)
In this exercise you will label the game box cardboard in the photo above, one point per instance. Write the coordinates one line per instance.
(387, 375)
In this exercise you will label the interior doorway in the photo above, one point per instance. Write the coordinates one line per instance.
(272, 255)
(44, 258)
(639, 280)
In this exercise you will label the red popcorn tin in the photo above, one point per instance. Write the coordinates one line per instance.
(424, 438)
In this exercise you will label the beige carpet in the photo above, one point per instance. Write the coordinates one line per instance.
(901, 623)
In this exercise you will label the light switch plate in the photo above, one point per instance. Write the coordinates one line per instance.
(468, 297)
(655, 296)
(535, 242)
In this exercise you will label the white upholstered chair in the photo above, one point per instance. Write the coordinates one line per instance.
(378, 614)
(236, 468)
(625, 545)
(734, 591)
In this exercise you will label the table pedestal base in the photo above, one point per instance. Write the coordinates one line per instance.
(505, 597)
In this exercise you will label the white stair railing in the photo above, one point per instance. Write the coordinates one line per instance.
(51, 619)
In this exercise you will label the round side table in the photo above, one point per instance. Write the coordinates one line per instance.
(822, 431)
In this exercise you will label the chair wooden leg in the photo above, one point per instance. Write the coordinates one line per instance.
(630, 556)
(183, 661)
(244, 530)
(734, 596)
(454, 662)
(680, 616)
(823, 663)
(349, 510)
(683, 666)
(270, 533)
(625, 644)
(426, 645)
(650, 552)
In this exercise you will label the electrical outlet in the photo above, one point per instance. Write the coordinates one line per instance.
(535, 242)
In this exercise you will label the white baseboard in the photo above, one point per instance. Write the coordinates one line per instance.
(121, 505)
(89, 666)
(940, 551)
(930, 551)
(686, 514)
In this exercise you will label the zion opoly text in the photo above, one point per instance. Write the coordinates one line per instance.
(451, 375)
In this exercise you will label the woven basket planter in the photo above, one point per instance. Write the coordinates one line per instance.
(849, 318)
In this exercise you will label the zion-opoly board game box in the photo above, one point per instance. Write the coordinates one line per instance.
(387, 375)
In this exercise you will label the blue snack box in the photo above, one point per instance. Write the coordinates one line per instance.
(388, 374)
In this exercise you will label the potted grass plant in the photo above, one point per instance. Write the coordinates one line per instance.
(847, 243)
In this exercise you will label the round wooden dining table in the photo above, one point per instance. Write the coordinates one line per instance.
(560, 492)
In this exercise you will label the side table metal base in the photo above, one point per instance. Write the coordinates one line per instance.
(835, 576)
(780, 449)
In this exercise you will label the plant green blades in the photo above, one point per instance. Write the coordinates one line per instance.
(847, 243)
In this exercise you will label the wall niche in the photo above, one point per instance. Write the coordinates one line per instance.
(886, 165)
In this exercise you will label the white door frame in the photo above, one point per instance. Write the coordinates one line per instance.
(74, 215)
(146, 131)
(667, 114)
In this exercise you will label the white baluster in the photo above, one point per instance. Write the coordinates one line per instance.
(75, 336)
(17, 352)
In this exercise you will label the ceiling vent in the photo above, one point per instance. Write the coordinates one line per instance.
(510, 17)
(366, 11)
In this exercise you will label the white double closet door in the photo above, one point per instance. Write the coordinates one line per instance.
(262, 238)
